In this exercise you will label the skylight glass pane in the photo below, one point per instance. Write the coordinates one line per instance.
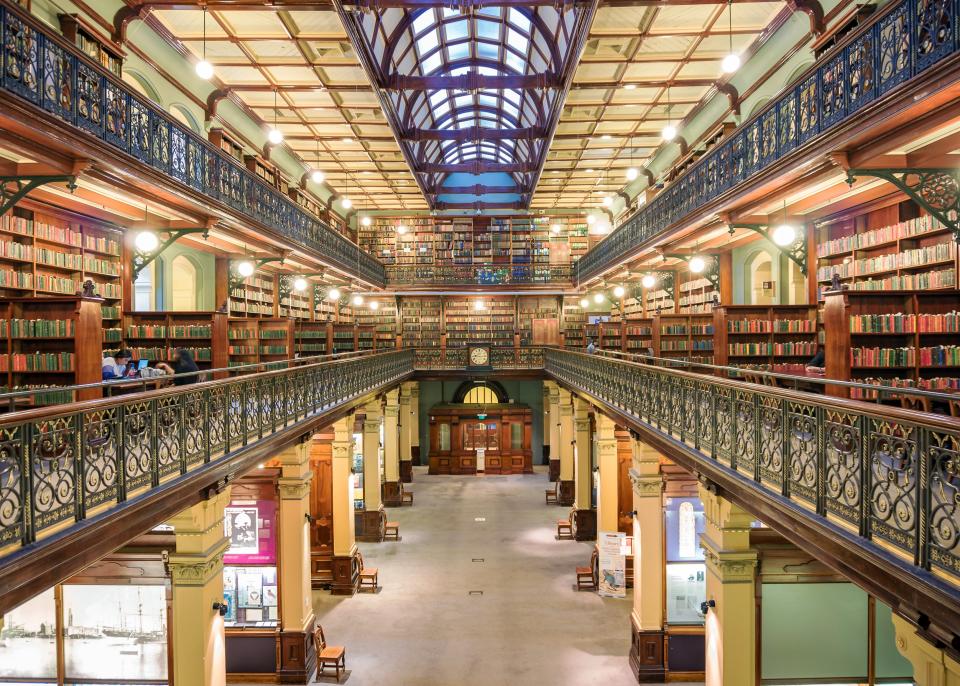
(488, 101)
(456, 30)
(441, 109)
(514, 62)
(432, 63)
(437, 97)
(487, 51)
(516, 41)
(512, 96)
(490, 11)
(488, 30)
(459, 51)
(487, 71)
(424, 20)
(462, 101)
(428, 42)
(511, 110)
(519, 19)
(487, 124)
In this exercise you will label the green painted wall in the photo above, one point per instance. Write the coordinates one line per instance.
(528, 393)
(818, 631)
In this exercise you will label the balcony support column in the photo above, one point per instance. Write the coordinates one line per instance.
(415, 423)
(553, 429)
(391, 449)
(346, 577)
(406, 429)
(608, 514)
(647, 655)
(298, 655)
(584, 516)
(372, 515)
(731, 618)
(196, 574)
(565, 493)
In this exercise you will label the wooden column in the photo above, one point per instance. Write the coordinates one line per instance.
(932, 666)
(345, 570)
(647, 646)
(405, 417)
(415, 423)
(391, 449)
(731, 623)
(196, 574)
(372, 516)
(546, 423)
(584, 516)
(298, 658)
(565, 410)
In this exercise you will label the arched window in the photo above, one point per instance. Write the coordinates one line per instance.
(185, 117)
(143, 290)
(183, 284)
(758, 272)
(480, 395)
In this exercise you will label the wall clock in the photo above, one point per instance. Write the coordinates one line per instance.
(478, 357)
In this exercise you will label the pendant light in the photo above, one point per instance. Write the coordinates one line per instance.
(784, 234)
(345, 201)
(275, 136)
(669, 130)
(204, 69)
(632, 171)
(732, 61)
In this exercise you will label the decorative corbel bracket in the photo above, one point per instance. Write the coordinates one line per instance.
(937, 190)
(665, 282)
(236, 280)
(796, 251)
(142, 259)
(10, 196)
(711, 272)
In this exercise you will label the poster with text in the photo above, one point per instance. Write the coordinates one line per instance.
(613, 565)
(251, 527)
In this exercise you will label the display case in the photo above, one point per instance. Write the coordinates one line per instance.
(686, 572)
(250, 563)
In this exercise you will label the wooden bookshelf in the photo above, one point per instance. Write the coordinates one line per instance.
(533, 312)
(888, 249)
(255, 296)
(695, 294)
(275, 339)
(899, 338)
(764, 336)
(155, 335)
(312, 338)
(46, 253)
(684, 336)
(345, 338)
(49, 342)
(610, 336)
(92, 43)
(572, 323)
(494, 324)
(421, 322)
(638, 335)
(382, 321)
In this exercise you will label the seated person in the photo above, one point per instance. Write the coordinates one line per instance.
(817, 363)
(181, 364)
(116, 367)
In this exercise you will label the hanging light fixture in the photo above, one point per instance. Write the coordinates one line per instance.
(317, 176)
(401, 230)
(632, 171)
(374, 305)
(607, 200)
(366, 221)
(357, 299)
(479, 306)
(697, 264)
(345, 201)
(732, 61)
(648, 281)
(784, 234)
(669, 131)
(591, 219)
(275, 135)
(584, 303)
(555, 229)
(246, 268)
(146, 241)
(333, 294)
(598, 298)
(619, 291)
(299, 284)
(204, 69)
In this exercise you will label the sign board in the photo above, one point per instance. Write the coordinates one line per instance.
(613, 564)
(481, 455)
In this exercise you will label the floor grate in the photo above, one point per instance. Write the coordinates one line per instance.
(478, 559)
(474, 592)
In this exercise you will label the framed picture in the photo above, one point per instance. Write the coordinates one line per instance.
(269, 596)
(240, 526)
(249, 589)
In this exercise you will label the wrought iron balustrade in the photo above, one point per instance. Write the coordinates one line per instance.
(889, 476)
(58, 464)
(44, 69)
(501, 358)
(488, 275)
(904, 39)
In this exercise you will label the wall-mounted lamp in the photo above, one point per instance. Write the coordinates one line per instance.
(221, 608)
(706, 605)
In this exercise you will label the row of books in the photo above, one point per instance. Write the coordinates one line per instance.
(749, 326)
(934, 384)
(906, 323)
(37, 328)
(887, 234)
(794, 326)
(944, 278)
(112, 335)
(883, 357)
(940, 356)
(17, 251)
(780, 348)
(916, 257)
(37, 362)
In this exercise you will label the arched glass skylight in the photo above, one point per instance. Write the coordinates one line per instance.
(472, 78)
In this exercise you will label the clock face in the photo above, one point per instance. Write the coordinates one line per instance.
(478, 356)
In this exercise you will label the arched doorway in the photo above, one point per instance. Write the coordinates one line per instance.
(183, 284)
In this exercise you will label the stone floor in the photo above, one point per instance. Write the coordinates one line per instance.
(530, 627)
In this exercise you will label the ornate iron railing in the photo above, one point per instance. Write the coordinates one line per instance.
(488, 275)
(50, 73)
(531, 358)
(906, 38)
(58, 464)
(889, 475)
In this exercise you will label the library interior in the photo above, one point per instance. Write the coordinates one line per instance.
(621, 336)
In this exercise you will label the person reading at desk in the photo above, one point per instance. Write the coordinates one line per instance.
(182, 363)
(817, 362)
(116, 367)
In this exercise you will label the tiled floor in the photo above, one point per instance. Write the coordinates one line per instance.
(529, 627)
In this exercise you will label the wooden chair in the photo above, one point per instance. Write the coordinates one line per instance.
(550, 495)
(564, 530)
(368, 577)
(328, 656)
(954, 408)
(406, 497)
(586, 576)
(391, 530)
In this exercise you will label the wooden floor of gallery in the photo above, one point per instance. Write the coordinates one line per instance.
(528, 628)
